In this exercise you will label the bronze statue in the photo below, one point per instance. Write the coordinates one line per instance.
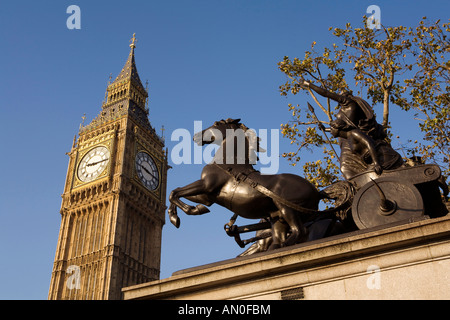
(287, 205)
(378, 188)
(361, 145)
(288, 201)
(377, 171)
(356, 115)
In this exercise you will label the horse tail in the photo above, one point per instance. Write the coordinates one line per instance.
(342, 192)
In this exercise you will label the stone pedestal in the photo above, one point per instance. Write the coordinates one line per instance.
(402, 261)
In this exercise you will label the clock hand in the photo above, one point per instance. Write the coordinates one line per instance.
(94, 163)
(146, 170)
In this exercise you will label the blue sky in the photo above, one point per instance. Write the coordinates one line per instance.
(204, 60)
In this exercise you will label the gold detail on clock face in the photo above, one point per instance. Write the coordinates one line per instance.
(147, 171)
(93, 163)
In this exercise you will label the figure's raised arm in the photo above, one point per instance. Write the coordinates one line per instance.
(325, 93)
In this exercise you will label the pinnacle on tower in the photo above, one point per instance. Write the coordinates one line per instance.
(129, 70)
(128, 84)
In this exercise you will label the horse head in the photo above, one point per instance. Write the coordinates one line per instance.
(217, 132)
(245, 141)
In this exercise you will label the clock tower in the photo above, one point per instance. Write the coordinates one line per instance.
(113, 205)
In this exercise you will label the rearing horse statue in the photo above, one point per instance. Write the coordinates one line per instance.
(225, 181)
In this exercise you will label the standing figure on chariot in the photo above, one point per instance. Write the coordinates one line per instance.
(356, 114)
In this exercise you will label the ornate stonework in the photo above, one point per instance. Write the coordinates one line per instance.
(111, 222)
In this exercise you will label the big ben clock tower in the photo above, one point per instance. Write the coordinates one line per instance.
(113, 205)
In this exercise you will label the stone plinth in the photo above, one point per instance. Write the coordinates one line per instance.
(403, 261)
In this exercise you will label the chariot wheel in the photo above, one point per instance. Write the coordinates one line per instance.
(384, 201)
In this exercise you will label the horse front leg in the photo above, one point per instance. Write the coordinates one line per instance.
(292, 219)
(194, 189)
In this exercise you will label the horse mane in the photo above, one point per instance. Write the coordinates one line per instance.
(253, 139)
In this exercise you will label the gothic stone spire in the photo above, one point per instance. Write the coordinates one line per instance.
(129, 71)
(124, 96)
(128, 84)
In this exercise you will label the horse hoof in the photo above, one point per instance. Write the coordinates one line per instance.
(200, 209)
(175, 220)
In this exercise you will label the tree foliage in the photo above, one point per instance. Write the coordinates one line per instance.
(427, 90)
(393, 66)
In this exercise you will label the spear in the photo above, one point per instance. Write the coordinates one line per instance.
(322, 128)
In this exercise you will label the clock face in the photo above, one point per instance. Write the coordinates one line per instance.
(93, 164)
(147, 171)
